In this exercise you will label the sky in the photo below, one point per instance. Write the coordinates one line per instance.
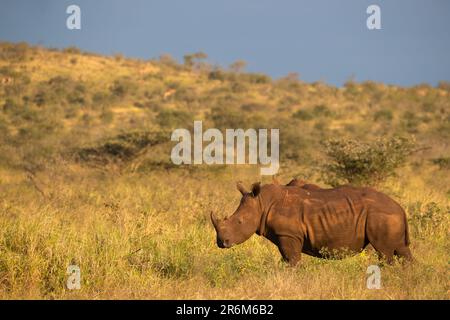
(321, 40)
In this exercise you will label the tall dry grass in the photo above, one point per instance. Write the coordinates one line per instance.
(139, 228)
(148, 236)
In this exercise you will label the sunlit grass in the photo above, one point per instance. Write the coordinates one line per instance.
(131, 241)
(140, 228)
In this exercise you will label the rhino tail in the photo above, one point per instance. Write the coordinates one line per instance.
(407, 242)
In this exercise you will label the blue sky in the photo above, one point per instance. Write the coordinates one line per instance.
(321, 40)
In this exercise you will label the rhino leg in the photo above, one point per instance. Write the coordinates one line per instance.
(404, 252)
(385, 253)
(401, 252)
(386, 233)
(291, 249)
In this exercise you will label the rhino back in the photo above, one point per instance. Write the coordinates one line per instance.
(331, 218)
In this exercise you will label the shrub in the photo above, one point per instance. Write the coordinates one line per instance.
(364, 163)
(191, 59)
(23, 114)
(426, 218)
(122, 147)
(351, 88)
(60, 90)
(252, 107)
(123, 87)
(173, 259)
(186, 94)
(239, 87)
(72, 50)
(101, 99)
(238, 66)
(11, 106)
(411, 121)
(295, 145)
(303, 114)
(322, 110)
(224, 118)
(8, 71)
(217, 75)
(225, 271)
(168, 60)
(40, 98)
(257, 78)
(107, 116)
(442, 162)
(15, 52)
(383, 115)
(171, 119)
(444, 85)
(18, 81)
(77, 96)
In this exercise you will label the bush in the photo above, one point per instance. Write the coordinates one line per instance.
(106, 116)
(72, 50)
(123, 147)
(364, 163)
(60, 90)
(253, 107)
(8, 71)
(303, 114)
(411, 121)
(123, 87)
(442, 162)
(217, 75)
(77, 96)
(223, 118)
(101, 99)
(172, 119)
(173, 259)
(256, 78)
(225, 271)
(383, 115)
(322, 110)
(11, 106)
(186, 94)
(15, 52)
(426, 218)
(17, 81)
(40, 98)
(295, 144)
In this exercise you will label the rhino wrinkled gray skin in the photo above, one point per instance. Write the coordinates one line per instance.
(304, 218)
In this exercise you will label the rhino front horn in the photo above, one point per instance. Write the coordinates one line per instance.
(214, 220)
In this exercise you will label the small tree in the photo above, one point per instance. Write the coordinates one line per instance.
(190, 59)
(238, 66)
(364, 163)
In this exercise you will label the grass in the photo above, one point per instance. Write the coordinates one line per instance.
(91, 184)
(131, 243)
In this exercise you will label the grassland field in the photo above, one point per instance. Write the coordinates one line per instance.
(86, 178)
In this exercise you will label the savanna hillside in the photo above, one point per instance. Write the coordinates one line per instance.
(86, 177)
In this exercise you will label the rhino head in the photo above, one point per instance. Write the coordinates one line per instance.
(243, 223)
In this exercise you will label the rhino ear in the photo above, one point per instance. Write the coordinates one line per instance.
(275, 180)
(256, 188)
(241, 188)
